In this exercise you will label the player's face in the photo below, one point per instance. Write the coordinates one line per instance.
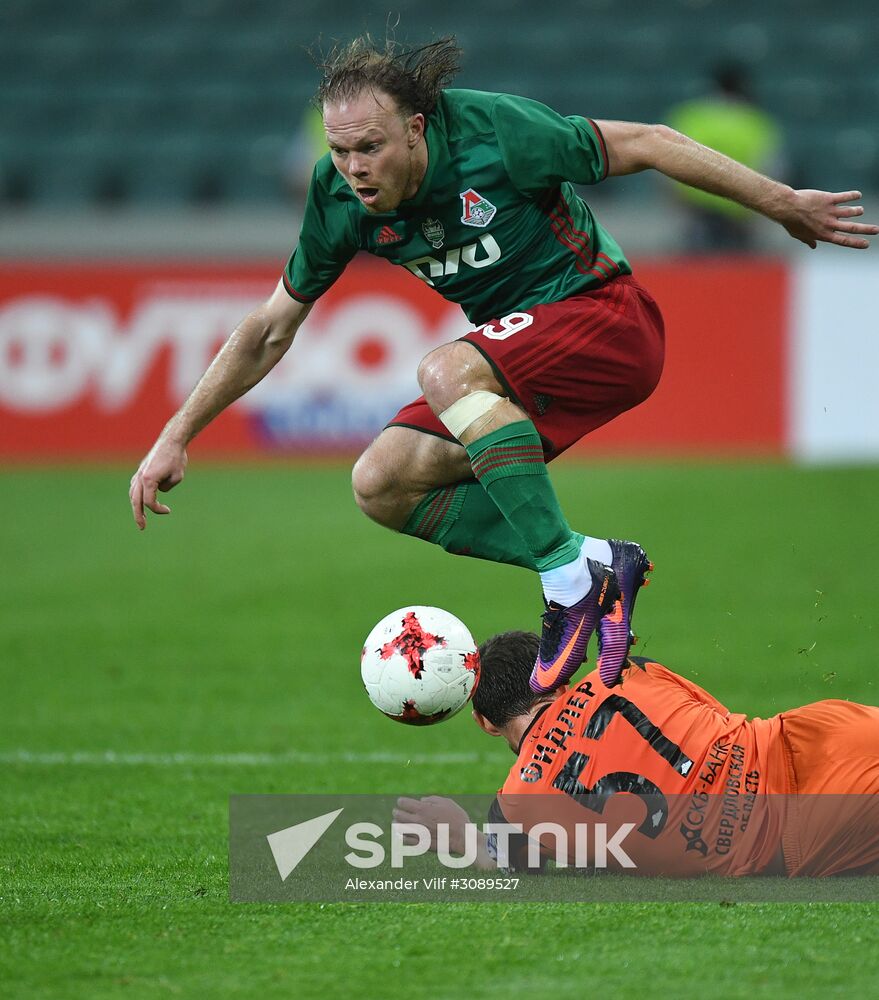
(381, 154)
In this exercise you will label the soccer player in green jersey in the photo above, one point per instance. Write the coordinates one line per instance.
(472, 193)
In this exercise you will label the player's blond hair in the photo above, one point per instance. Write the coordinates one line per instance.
(414, 78)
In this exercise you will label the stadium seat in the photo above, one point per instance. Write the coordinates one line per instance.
(179, 99)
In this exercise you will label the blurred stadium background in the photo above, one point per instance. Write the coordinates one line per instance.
(153, 158)
(149, 107)
(151, 164)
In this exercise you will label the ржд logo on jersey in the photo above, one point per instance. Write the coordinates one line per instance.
(478, 255)
(478, 211)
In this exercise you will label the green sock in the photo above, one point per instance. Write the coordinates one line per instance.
(509, 465)
(465, 521)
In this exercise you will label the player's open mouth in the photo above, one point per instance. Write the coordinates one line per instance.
(367, 195)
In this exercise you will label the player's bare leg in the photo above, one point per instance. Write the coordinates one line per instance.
(506, 456)
(421, 484)
(400, 468)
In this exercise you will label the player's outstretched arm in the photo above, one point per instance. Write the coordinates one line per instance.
(809, 216)
(255, 347)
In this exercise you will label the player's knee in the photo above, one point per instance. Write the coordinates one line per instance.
(370, 484)
(376, 491)
(440, 374)
(452, 371)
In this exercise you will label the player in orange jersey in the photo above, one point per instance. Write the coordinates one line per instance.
(704, 789)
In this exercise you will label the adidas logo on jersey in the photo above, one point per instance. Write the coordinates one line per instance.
(387, 235)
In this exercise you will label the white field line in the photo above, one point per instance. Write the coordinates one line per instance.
(102, 758)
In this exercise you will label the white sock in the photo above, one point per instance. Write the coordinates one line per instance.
(572, 582)
(598, 549)
(567, 584)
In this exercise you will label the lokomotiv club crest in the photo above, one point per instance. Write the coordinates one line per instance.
(478, 211)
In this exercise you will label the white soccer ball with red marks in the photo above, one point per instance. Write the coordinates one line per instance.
(420, 665)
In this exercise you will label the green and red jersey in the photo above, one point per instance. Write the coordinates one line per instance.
(495, 226)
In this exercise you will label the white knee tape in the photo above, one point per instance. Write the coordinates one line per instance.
(461, 414)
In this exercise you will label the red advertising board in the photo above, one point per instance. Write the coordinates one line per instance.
(94, 358)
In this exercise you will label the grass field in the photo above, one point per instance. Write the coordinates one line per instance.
(145, 678)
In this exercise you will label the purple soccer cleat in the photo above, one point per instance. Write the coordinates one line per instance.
(566, 631)
(615, 636)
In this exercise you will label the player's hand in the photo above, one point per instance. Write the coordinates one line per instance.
(430, 812)
(815, 217)
(162, 469)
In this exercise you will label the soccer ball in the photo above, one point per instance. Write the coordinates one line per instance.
(420, 665)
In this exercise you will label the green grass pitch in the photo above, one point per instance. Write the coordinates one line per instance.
(233, 627)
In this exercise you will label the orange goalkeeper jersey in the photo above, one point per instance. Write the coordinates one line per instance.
(709, 785)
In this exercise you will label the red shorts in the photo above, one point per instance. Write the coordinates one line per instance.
(571, 365)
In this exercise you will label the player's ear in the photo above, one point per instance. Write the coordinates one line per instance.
(416, 129)
(484, 724)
